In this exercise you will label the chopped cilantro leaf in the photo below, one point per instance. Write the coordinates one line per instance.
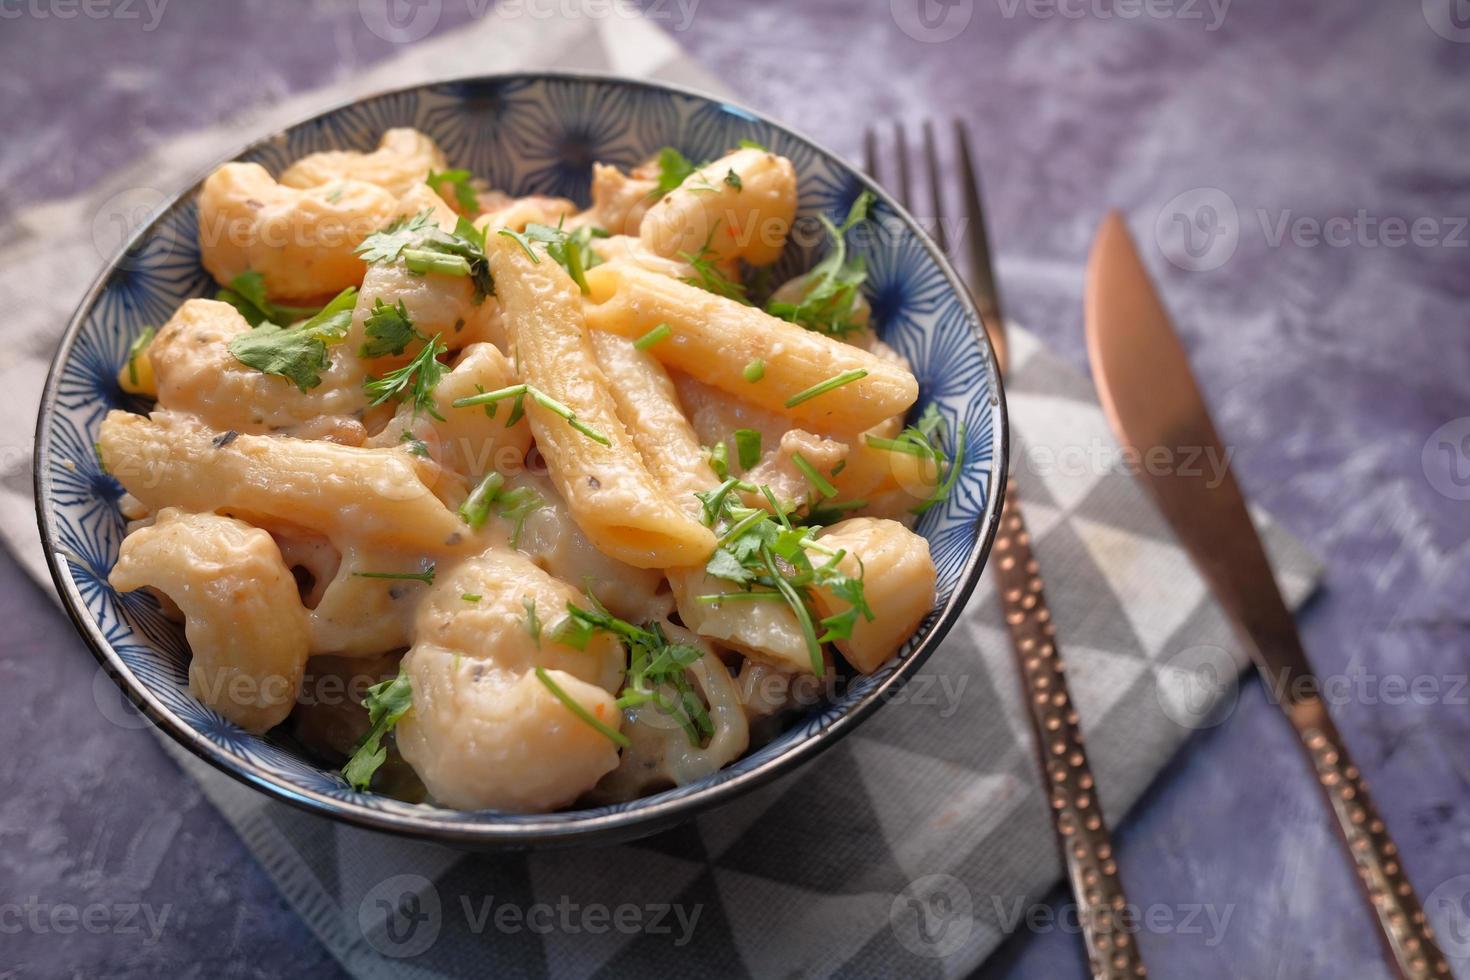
(570, 250)
(425, 247)
(656, 666)
(458, 182)
(673, 169)
(389, 330)
(300, 352)
(829, 293)
(246, 293)
(388, 244)
(707, 274)
(386, 703)
(925, 439)
(414, 382)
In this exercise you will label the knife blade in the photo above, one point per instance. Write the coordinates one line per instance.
(1154, 405)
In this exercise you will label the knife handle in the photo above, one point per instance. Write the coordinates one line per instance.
(1087, 850)
(1406, 931)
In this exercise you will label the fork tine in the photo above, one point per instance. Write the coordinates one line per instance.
(870, 155)
(980, 261)
(936, 194)
(901, 150)
(982, 268)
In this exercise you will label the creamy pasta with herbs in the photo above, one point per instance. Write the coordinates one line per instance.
(505, 504)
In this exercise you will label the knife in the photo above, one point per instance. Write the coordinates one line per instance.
(1151, 399)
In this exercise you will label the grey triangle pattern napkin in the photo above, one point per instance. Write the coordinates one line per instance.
(904, 850)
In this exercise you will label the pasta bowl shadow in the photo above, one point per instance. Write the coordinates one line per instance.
(525, 133)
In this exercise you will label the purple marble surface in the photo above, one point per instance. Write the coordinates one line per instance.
(1332, 345)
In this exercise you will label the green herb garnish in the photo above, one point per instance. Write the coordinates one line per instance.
(831, 290)
(386, 703)
(754, 370)
(459, 183)
(476, 507)
(816, 479)
(414, 444)
(517, 505)
(658, 333)
(520, 392)
(707, 274)
(533, 623)
(425, 247)
(748, 447)
(673, 169)
(514, 505)
(768, 555)
(425, 576)
(135, 351)
(571, 250)
(414, 382)
(733, 179)
(389, 330)
(925, 439)
(617, 737)
(656, 667)
(246, 293)
(300, 352)
(822, 387)
(386, 245)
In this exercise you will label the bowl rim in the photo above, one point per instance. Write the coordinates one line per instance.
(625, 824)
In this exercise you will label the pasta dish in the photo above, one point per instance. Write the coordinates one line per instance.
(503, 503)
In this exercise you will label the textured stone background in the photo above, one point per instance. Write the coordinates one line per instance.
(1329, 366)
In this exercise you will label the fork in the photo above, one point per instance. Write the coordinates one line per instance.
(1082, 834)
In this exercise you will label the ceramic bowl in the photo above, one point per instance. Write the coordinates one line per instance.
(526, 134)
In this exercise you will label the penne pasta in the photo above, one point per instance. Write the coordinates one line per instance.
(714, 338)
(344, 492)
(608, 490)
(647, 402)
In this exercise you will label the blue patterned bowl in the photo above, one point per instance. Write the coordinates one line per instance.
(528, 134)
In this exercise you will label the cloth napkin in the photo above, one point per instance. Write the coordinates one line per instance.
(905, 850)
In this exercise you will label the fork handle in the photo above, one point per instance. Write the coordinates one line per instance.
(1086, 847)
(1406, 931)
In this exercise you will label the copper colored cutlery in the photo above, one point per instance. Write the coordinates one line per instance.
(1082, 834)
(1152, 401)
